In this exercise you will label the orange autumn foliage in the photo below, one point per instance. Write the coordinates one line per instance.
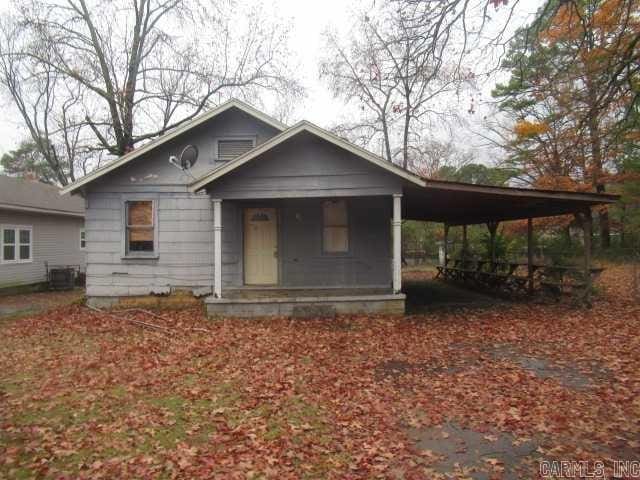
(527, 129)
(567, 136)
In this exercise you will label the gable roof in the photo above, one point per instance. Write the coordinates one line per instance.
(24, 195)
(233, 103)
(304, 126)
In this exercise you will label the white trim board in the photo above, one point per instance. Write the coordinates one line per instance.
(19, 208)
(233, 103)
(304, 126)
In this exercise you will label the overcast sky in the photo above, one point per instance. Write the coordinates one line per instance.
(309, 20)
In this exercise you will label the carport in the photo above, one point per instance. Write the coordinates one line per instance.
(462, 204)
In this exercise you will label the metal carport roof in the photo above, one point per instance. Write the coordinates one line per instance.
(457, 203)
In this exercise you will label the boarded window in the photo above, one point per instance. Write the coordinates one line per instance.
(231, 148)
(140, 227)
(335, 234)
(16, 244)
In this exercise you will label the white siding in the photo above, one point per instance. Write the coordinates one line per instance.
(56, 239)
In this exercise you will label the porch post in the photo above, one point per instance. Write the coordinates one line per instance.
(530, 254)
(217, 247)
(397, 242)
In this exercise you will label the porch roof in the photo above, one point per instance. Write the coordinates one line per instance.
(457, 203)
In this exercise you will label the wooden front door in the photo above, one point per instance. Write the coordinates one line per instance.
(260, 246)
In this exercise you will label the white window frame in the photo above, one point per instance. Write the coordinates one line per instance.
(252, 138)
(17, 244)
(154, 215)
(83, 232)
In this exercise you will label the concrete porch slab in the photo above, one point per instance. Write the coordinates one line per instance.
(306, 306)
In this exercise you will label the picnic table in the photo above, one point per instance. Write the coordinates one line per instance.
(506, 275)
(557, 279)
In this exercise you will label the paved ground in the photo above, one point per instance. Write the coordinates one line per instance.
(425, 295)
(23, 304)
(477, 454)
(469, 452)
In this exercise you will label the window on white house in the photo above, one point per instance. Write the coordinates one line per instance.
(335, 230)
(17, 244)
(140, 227)
(83, 239)
(230, 148)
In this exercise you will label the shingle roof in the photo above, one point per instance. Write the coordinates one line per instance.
(28, 195)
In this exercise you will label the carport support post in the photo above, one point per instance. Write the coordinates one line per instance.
(465, 243)
(397, 242)
(446, 242)
(530, 254)
(217, 247)
(493, 228)
(586, 228)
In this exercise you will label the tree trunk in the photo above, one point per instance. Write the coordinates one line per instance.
(623, 221)
(597, 168)
(605, 228)
(405, 139)
(387, 146)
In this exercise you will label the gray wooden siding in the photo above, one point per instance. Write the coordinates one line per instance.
(302, 262)
(185, 226)
(185, 246)
(305, 166)
(368, 261)
(56, 239)
(232, 244)
(153, 171)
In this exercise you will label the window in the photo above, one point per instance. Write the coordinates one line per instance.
(17, 244)
(140, 227)
(83, 239)
(335, 231)
(228, 149)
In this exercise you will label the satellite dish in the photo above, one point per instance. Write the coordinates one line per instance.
(188, 157)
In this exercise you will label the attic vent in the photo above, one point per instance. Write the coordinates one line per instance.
(230, 149)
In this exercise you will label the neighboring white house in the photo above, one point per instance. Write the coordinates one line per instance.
(38, 227)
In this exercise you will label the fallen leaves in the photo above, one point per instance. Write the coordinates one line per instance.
(85, 396)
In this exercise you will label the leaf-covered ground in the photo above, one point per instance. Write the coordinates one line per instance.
(83, 395)
(30, 303)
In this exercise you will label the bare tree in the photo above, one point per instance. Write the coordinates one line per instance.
(388, 67)
(362, 72)
(46, 106)
(429, 157)
(119, 73)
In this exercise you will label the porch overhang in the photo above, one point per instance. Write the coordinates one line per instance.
(456, 203)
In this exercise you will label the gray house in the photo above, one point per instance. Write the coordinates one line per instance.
(39, 228)
(270, 219)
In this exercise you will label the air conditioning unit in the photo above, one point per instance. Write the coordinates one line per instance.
(62, 278)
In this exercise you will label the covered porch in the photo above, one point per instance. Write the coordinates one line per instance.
(307, 256)
(308, 224)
